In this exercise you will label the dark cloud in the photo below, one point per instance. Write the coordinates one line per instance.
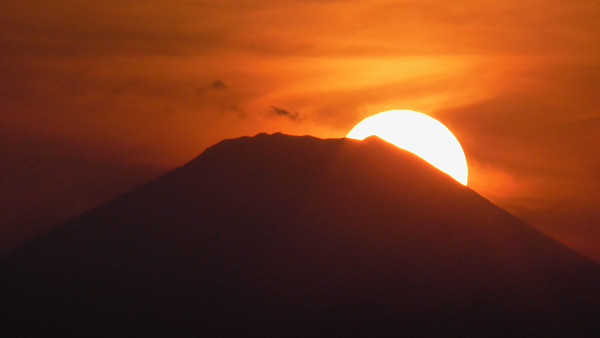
(218, 85)
(292, 115)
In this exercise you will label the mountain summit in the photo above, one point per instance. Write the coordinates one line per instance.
(277, 234)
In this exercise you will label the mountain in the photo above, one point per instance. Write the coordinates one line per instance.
(284, 235)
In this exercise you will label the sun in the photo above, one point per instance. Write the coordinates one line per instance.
(420, 134)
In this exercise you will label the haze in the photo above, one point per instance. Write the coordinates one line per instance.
(96, 98)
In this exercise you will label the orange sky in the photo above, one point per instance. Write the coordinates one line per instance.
(107, 93)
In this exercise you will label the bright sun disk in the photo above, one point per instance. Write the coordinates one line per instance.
(420, 134)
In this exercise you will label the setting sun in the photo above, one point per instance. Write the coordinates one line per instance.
(420, 134)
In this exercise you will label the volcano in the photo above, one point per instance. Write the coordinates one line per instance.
(287, 235)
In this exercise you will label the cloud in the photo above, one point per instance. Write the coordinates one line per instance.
(218, 85)
(292, 115)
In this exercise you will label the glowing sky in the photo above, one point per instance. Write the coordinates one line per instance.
(106, 93)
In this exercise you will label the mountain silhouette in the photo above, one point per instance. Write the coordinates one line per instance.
(286, 235)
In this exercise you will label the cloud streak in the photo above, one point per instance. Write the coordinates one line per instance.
(292, 115)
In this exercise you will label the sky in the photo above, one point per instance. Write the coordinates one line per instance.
(97, 97)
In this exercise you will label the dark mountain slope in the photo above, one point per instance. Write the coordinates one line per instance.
(277, 234)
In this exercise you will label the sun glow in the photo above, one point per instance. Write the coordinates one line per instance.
(420, 134)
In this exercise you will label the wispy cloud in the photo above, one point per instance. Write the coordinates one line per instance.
(292, 115)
